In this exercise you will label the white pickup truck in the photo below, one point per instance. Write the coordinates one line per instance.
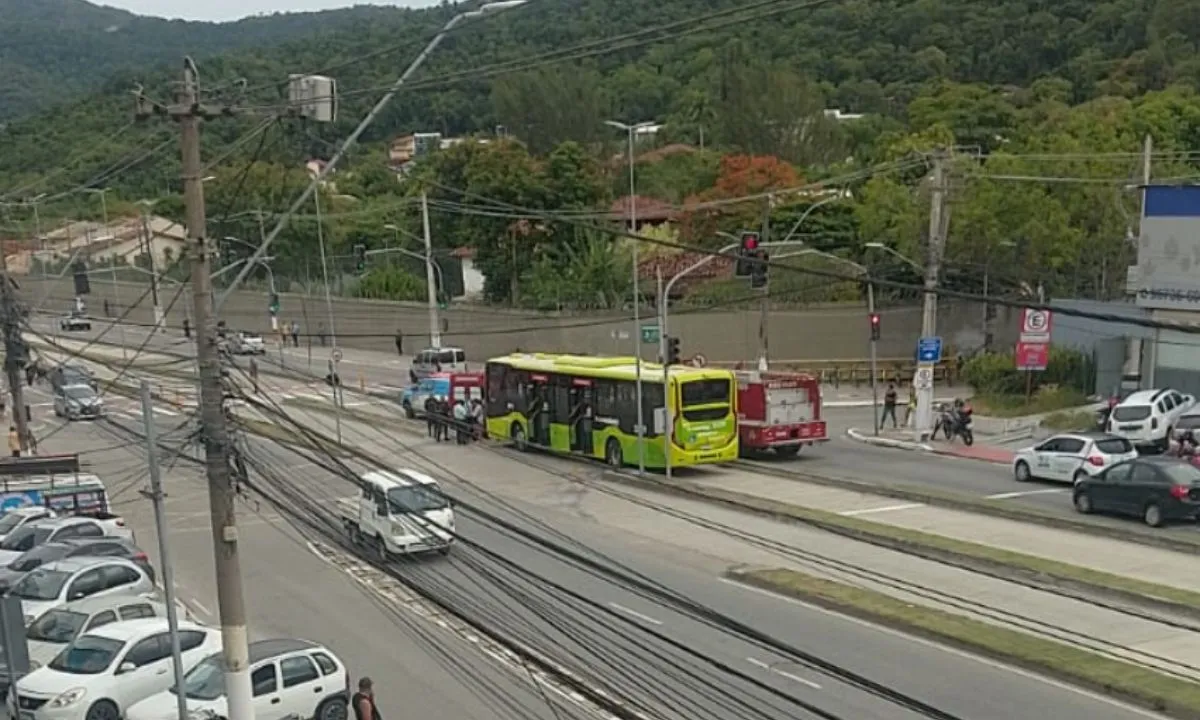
(399, 513)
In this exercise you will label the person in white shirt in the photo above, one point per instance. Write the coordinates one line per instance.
(460, 422)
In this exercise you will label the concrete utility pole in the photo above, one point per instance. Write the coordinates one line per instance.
(156, 496)
(16, 353)
(435, 328)
(938, 225)
(188, 112)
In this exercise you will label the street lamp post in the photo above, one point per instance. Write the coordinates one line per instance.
(352, 139)
(924, 409)
(987, 303)
(148, 239)
(630, 130)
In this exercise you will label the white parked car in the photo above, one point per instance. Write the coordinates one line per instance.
(289, 677)
(56, 529)
(56, 628)
(1071, 457)
(58, 583)
(107, 670)
(1147, 417)
(247, 343)
(20, 516)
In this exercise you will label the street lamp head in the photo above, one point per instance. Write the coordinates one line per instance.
(390, 226)
(208, 178)
(876, 246)
(500, 5)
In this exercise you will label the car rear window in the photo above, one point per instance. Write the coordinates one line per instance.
(1114, 446)
(1183, 473)
(1125, 413)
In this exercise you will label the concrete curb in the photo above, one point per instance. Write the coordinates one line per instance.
(859, 436)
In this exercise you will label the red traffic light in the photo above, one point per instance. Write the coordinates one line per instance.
(749, 241)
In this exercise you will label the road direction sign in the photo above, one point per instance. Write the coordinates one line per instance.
(336, 355)
(929, 350)
(650, 333)
(1035, 325)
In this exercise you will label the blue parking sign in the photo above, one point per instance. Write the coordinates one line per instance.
(929, 350)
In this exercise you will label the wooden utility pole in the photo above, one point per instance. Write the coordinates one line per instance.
(189, 111)
(939, 224)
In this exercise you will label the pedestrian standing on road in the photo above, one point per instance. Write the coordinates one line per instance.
(296, 333)
(443, 420)
(431, 415)
(107, 308)
(187, 329)
(363, 701)
(476, 419)
(321, 333)
(399, 342)
(889, 406)
(14, 441)
(911, 408)
(254, 374)
(460, 423)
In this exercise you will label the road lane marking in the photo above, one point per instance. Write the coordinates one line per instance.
(886, 508)
(947, 649)
(783, 674)
(634, 614)
(1023, 493)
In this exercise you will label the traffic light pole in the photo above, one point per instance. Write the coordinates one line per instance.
(874, 369)
(668, 420)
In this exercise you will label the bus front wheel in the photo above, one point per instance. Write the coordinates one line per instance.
(613, 454)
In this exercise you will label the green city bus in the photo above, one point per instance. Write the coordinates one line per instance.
(585, 405)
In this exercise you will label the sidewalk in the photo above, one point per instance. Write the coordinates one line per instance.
(903, 439)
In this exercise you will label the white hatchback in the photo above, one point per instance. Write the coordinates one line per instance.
(64, 581)
(1147, 417)
(288, 677)
(106, 670)
(1071, 457)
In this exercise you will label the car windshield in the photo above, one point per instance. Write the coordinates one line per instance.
(25, 538)
(1124, 413)
(75, 374)
(37, 557)
(57, 626)
(79, 392)
(206, 681)
(1183, 474)
(416, 498)
(1188, 422)
(88, 655)
(41, 584)
(9, 522)
(1114, 446)
(251, 336)
(705, 392)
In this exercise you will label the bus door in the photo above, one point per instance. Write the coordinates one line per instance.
(581, 399)
(537, 409)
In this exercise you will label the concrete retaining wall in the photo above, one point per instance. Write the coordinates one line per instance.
(813, 334)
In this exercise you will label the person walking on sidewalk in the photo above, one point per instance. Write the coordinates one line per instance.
(363, 702)
(14, 441)
(889, 406)
(296, 333)
(399, 342)
(911, 408)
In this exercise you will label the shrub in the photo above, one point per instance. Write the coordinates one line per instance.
(997, 373)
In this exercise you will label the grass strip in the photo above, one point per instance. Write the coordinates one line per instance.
(1005, 564)
(1115, 678)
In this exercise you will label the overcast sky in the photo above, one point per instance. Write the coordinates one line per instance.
(235, 9)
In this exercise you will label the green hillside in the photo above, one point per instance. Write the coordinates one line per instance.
(55, 51)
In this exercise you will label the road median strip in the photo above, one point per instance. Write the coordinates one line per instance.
(1042, 573)
(1115, 678)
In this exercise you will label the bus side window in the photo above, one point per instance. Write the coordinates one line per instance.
(606, 398)
(560, 399)
(497, 401)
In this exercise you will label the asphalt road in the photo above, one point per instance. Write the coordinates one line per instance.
(839, 458)
(421, 669)
(598, 642)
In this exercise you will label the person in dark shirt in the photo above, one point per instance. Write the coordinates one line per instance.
(363, 701)
(889, 406)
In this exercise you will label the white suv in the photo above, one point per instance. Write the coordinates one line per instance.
(289, 677)
(1147, 417)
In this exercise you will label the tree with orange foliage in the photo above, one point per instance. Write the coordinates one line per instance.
(739, 176)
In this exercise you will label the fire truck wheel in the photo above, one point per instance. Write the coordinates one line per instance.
(787, 451)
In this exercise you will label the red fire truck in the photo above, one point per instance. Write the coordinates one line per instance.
(778, 411)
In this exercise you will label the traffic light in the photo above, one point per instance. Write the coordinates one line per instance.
(746, 251)
(672, 350)
(758, 269)
(360, 258)
(273, 304)
(874, 326)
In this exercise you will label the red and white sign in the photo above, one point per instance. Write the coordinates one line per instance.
(1035, 326)
(1032, 355)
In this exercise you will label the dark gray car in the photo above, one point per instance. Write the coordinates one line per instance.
(52, 551)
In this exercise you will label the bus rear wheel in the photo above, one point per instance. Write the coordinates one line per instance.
(518, 437)
(613, 454)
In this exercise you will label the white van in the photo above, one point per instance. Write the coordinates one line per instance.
(435, 360)
(403, 512)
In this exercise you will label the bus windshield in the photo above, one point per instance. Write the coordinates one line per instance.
(706, 392)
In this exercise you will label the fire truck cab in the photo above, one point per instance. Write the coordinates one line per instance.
(778, 411)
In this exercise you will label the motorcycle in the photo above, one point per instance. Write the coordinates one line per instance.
(955, 422)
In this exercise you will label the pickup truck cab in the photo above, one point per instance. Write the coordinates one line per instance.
(456, 386)
(399, 513)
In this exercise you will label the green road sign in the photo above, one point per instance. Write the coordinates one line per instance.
(650, 333)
